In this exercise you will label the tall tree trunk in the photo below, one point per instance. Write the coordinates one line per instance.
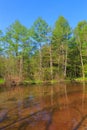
(65, 63)
(58, 60)
(21, 69)
(40, 67)
(51, 63)
(83, 74)
(82, 64)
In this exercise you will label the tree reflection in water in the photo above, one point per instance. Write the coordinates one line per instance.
(62, 106)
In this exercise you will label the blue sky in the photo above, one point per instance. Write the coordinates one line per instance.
(27, 11)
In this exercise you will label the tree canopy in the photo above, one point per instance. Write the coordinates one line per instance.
(43, 53)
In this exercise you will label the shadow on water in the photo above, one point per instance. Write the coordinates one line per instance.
(62, 106)
(3, 115)
(82, 124)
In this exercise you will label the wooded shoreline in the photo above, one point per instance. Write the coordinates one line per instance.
(42, 54)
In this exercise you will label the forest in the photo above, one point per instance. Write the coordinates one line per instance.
(43, 53)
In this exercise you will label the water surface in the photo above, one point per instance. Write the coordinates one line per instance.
(44, 107)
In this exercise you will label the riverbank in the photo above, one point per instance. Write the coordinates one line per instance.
(32, 82)
(80, 79)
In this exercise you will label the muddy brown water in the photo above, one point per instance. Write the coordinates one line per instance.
(45, 107)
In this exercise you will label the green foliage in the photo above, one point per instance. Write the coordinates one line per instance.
(41, 54)
(2, 81)
(81, 41)
(62, 28)
(60, 41)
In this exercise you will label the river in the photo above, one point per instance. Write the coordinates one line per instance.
(62, 106)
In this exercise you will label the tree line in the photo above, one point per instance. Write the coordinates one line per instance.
(44, 53)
